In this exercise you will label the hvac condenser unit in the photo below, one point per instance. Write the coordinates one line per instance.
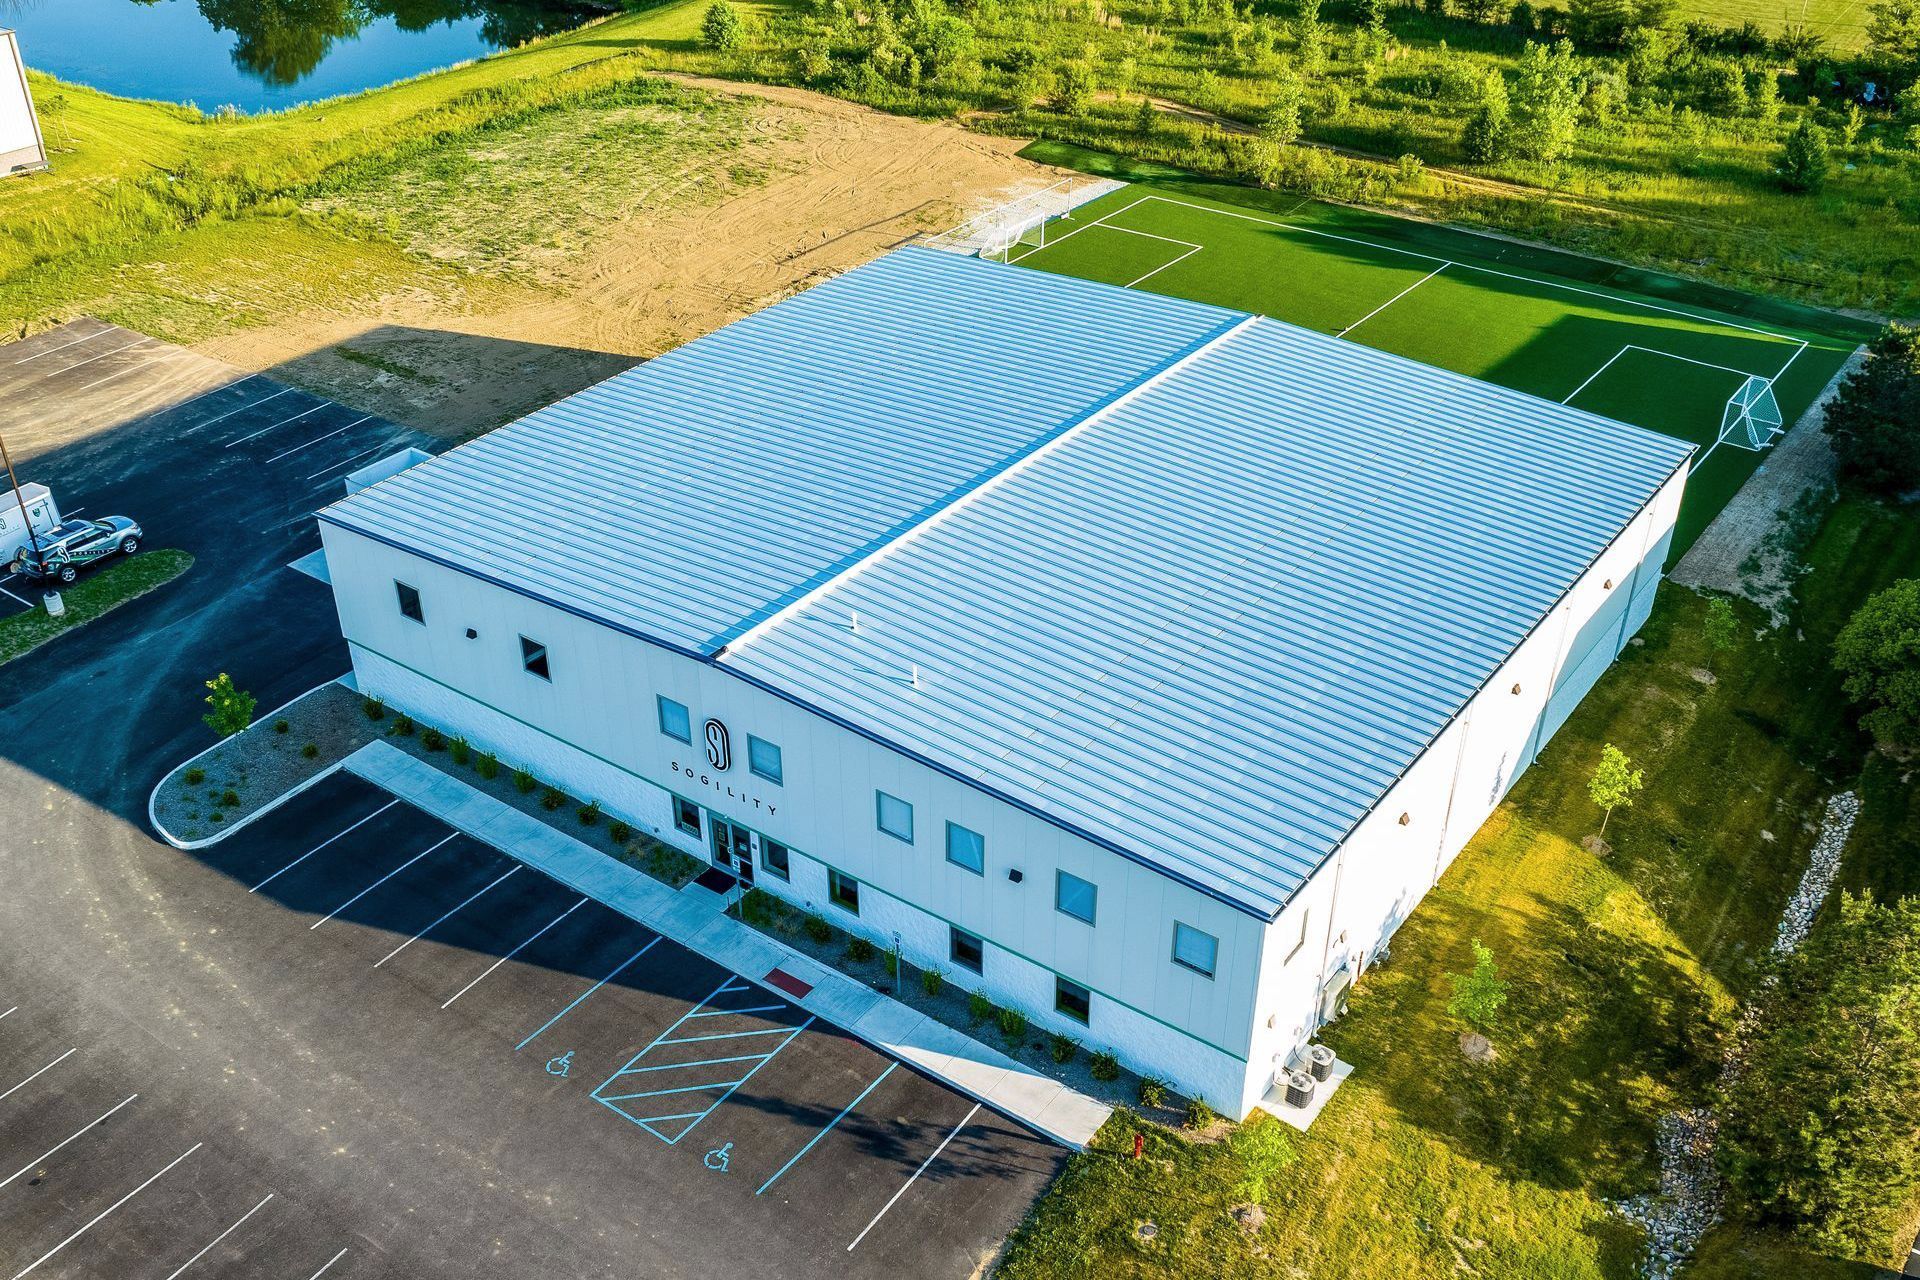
(22, 148)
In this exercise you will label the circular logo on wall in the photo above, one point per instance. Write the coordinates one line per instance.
(719, 749)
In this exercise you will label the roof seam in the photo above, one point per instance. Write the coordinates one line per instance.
(750, 628)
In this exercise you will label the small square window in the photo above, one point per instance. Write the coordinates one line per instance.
(843, 891)
(763, 758)
(895, 816)
(966, 849)
(533, 656)
(966, 949)
(686, 816)
(1074, 896)
(774, 857)
(1195, 950)
(675, 721)
(409, 602)
(1072, 999)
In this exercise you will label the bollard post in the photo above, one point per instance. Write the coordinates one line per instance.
(56, 607)
(1139, 1144)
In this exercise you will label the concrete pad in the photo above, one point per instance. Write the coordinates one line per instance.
(1275, 1102)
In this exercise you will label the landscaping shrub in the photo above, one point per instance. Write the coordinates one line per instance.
(524, 782)
(619, 832)
(931, 980)
(433, 740)
(859, 950)
(817, 927)
(1153, 1091)
(758, 908)
(1199, 1114)
(374, 708)
(216, 816)
(229, 797)
(1013, 1026)
(281, 725)
(195, 776)
(1063, 1048)
(979, 1008)
(589, 814)
(461, 750)
(552, 798)
(311, 750)
(402, 725)
(1104, 1066)
(229, 709)
(487, 765)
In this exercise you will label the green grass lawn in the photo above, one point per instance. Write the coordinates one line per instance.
(1626, 969)
(1842, 23)
(94, 595)
(1457, 302)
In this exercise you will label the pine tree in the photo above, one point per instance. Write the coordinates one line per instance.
(1805, 160)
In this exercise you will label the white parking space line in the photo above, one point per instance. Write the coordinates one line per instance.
(916, 1175)
(507, 875)
(35, 1265)
(217, 1239)
(255, 435)
(214, 392)
(90, 359)
(22, 599)
(15, 1009)
(287, 453)
(36, 1075)
(251, 404)
(382, 880)
(344, 462)
(618, 970)
(535, 937)
(34, 1163)
(323, 844)
(329, 1266)
(62, 347)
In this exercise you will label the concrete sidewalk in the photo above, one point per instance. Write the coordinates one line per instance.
(693, 921)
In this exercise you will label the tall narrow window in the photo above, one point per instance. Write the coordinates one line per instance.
(1072, 999)
(533, 656)
(843, 891)
(966, 949)
(409, 602)
(1075, 897)
(1195, 950)
(675, 721)
(776, 859)
(763, 759)
(966, 848)
(686, 816)
(894, 815)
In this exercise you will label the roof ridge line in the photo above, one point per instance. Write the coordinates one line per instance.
(752, 627)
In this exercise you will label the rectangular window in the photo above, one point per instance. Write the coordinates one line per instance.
(774, 857)
(966, 849)
(843, 891)
(894, 815)
(1072, 999)
(409, 602)
(1074, 896)
(763, 758)
(686, 816)
(1195, 950)
(675, 721)
(1301, 941)
(967, 950)
(533, 656)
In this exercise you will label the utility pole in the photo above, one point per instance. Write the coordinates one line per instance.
(6, 459)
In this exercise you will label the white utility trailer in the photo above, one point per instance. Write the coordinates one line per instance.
(36, 501)
(22, 147)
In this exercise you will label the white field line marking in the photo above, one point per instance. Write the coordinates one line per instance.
(516, 951)
(1701, 461)
(323, 844)
(1163, 266)
(329, 1266)
(115, 1205)
(1788, 365)
(36, 1075)
(90, 359)
(1596, 373)
(1077, 230)
(934, 1155)
(1704, 364)
(234, 444)
(377, 883)
(62, 347)
(1470, 266)
(344, 462)
(77, 1133)
(287, 453)
(217, 1239)
(448, 916)
(251, 404)
(1102, 224)
(1395, 298)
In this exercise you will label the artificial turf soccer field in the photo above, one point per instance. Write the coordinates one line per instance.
(1456, 301)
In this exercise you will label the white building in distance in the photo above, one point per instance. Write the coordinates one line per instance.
(1141, 664)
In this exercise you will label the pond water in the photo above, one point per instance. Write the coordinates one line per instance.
(267, 54)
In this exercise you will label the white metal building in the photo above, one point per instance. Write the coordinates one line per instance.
(22, 148)
(1137, 662)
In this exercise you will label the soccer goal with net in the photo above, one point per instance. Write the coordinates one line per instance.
(1752, 418)
(1024, 225)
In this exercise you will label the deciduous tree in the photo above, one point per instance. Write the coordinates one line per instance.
(1614, 783)
(1878, 657)
(229, 709)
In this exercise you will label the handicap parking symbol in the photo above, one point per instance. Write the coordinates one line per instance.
(717, 1158)
(561, 1065)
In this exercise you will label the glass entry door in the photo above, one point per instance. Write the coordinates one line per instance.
(732, 848)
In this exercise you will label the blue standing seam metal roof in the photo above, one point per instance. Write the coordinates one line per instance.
(1197, 586)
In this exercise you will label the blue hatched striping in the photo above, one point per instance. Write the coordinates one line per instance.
(662, 1111)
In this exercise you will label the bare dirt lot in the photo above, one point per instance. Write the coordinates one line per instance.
(833, 185)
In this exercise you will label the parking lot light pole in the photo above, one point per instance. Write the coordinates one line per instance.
(6, 459)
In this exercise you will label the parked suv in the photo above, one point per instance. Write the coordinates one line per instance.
(69, 546)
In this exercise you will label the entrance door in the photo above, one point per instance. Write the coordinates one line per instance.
(732, 848)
